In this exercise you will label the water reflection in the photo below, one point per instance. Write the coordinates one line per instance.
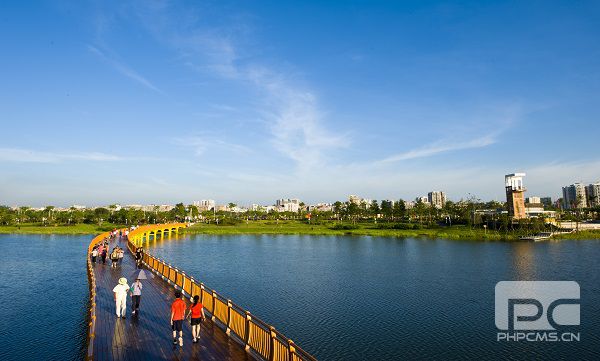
(523, 261)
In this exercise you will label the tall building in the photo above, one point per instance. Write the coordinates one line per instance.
(575, 196)
(205, 204)
(515, 195)
(593, 194)
(437, 199)
(288, 205)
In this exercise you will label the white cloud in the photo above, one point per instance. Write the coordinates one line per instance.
(124, 69)
(438, 148)
(32, 156)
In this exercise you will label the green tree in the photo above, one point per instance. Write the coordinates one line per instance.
(399, 209)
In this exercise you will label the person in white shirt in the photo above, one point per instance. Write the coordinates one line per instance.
(120, 293)
(136, 295)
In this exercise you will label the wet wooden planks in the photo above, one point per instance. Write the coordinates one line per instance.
(148, 336)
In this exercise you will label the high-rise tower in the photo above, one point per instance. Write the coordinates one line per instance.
(515, 195)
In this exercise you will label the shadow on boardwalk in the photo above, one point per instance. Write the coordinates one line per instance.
(147, 335)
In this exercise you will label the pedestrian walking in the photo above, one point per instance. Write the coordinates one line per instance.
(120, 294)
(114, 257)
(197, 313)
(94, 254)
(121, 255)
(139, 256)
(103, 255)
(178, 308)
(136, 295)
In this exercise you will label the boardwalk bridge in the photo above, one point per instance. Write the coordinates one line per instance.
(230, 332)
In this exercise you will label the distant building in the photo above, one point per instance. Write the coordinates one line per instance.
(424, 200)
(362, 202)
(164, 207)
(205, 205)
(354, 199)
(436, 199)
(288, 205)
(409, 204)
(321, 207)
(575, 196)
(222, 208)
(533, 200)
(515, 195)
(593, 194)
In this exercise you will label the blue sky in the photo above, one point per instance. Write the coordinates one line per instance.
(249, 101)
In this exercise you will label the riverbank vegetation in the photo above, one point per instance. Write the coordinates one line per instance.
(456, 220)
(36, 228)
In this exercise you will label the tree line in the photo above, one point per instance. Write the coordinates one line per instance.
(383, 212)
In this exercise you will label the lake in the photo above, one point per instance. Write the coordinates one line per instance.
(373, 298)
(43, 297)
(338, 297)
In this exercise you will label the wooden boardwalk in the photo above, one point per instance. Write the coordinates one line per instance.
(147, 335)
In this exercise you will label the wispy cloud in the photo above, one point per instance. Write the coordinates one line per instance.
(32, 156)
(201, 143)
(292, 116)
(124, 69)
(439, 148)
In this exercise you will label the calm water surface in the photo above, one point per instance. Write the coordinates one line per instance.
(369, 298)
(43, 297)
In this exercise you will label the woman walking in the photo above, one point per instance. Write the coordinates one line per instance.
(94, 254)
(114, 257)
(197, 313)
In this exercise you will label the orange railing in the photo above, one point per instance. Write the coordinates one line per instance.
(258, 337)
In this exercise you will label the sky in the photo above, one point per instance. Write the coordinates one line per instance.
(154, 102)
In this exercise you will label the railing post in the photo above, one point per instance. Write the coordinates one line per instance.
(228, 331)
(292, 350)
(247, 338)
(272, 348)
(202, 293)
(183, 282)
(214, 295)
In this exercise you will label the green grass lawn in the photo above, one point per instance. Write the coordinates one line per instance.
(296, 227)
(57, 229)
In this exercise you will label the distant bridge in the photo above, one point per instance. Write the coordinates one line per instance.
(231, 333)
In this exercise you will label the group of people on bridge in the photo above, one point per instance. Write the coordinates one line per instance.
(179, 311)
(102, 251)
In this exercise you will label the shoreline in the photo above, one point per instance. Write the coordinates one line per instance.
(300, 228)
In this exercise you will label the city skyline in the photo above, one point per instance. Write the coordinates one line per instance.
(158, 103)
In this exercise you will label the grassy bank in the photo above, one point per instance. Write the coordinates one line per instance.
(294, 227)
(70, 229)
(580, 235)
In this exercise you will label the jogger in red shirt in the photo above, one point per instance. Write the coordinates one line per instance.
(178, 308)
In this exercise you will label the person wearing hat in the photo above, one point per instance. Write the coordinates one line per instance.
(120, 293)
